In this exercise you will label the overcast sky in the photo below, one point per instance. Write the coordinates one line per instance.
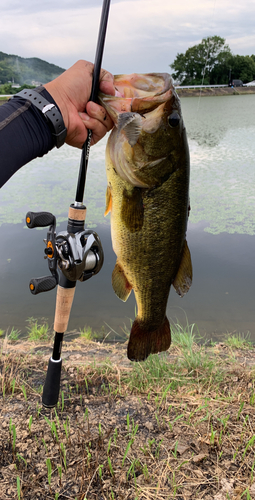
(142, 35)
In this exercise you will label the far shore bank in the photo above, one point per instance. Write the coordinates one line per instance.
(222, 91)
(203, 92)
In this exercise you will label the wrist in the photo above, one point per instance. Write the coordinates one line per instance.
(57, 96)
(49, 111)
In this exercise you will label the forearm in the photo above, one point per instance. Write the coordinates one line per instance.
(24, 135)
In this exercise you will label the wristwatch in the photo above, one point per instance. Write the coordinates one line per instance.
(50, 112)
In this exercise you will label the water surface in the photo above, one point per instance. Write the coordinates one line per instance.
(220, 233)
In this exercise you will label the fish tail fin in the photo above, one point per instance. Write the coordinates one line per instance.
(143, 342)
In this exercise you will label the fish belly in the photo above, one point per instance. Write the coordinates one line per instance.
(148, 254)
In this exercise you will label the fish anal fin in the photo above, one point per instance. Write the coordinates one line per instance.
(143, 341)
(120, 284)
(183, 279)
(132, 210)
(108, 201)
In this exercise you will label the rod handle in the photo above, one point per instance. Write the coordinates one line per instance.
(52, 383)
(39, 219)
(43, 284)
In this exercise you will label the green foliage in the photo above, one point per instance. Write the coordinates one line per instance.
(7, 89)
(203, 63)
(38, 331)
(242, 68)
(25, 71)
(210, 62)
(86, 333)
(238, 340)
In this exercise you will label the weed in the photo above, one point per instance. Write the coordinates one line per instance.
(13, 336)
(238, 341)
(127, 450)
(185, 337)
(18, 488)
(248, 496)
(240, 409)
(110, 466)
(37, 331)
(63, 453)
(24, 391)
(30, 422)
(49, 469)
(19, 457)
(13, 382)
(86, 333)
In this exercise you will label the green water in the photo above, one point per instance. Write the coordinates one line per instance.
(221, 133)
(220, 233)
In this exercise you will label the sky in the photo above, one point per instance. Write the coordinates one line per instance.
(142, 35)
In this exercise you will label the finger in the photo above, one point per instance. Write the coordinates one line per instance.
(106, 82)
(98, 129)
(99, 113)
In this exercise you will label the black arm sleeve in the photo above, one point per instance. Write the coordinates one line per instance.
(24, 135)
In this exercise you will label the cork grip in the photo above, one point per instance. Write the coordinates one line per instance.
(64, 302)
(77, 214)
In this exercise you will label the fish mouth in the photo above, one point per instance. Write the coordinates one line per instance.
(137, 93)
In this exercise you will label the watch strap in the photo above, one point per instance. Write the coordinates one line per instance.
(50, 112)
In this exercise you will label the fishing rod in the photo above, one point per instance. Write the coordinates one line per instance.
(74, 254)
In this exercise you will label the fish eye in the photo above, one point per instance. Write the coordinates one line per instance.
(174, 119)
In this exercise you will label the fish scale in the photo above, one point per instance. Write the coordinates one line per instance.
(148, 196)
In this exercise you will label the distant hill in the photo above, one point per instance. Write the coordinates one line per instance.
(30, 71)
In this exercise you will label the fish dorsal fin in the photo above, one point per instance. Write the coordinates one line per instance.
(183, 279)
(131, 125)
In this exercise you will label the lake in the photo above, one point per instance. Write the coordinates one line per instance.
(221, 229)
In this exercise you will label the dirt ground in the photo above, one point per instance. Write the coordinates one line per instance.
(154, 430)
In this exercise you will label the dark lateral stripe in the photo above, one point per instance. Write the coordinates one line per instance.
(15, 114)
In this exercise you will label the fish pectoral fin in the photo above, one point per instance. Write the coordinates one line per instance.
(120, 284)
(108, 201)
(132, 210)
(183, 279)
(131, 125)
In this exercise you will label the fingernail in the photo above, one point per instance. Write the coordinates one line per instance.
(84, 117)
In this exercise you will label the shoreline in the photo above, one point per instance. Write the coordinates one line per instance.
(197, 92)
(217, 92)
(80, 351)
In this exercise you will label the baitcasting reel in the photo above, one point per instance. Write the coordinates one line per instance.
(77, 252)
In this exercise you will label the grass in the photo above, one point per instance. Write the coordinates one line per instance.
(238, 340)
(161, 429)
(184, 336)
(86, 333)
(38, 331)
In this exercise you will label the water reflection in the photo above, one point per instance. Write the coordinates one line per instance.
(220, 235)
(220, 300)
(208, 119)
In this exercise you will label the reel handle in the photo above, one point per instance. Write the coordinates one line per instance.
(40, 219)
(43, 284)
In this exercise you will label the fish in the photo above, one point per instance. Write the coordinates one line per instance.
(148, 169)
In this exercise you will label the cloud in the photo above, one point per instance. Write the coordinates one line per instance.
(142, 35)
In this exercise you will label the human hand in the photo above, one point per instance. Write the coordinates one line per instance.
(71, 91)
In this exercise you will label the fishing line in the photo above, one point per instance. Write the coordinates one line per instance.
(206, 60)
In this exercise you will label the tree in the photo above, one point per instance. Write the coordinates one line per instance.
(242, 68)
(207, 63)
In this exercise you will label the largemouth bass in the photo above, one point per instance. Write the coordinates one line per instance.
(147, 165)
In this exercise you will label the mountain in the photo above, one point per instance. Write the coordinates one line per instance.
(30, 71)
